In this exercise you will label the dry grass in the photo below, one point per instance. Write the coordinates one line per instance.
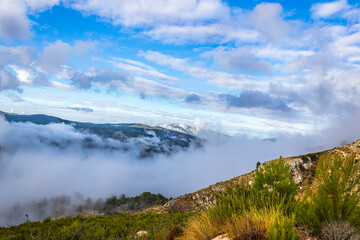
(252, 224)
(201, 227)
(254, 221)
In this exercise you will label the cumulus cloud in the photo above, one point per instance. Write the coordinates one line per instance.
(267, 19)
(57, 53)
(243, 59)
(13, 19)
(19, 55)
(255, 99)
(328, 9)
(155, 12)
(14, 22)
(172, 21)
(108, 78)
(8, 80)
(17, 69)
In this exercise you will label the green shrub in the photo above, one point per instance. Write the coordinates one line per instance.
(283, 229)
(120, 226)
(275, 177)
(337, 195)
(250, 205)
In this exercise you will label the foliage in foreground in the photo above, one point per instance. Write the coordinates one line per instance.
(261, 210)
(268, 208)
(337, 197)
(120, 226)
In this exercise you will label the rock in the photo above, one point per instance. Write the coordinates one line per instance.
(222, 237)
(307, 165)
(297, 168)
(141, 235)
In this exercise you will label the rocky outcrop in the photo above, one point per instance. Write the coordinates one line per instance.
(298, 167)
(202, 199)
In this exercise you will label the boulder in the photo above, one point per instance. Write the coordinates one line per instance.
(141, 235)
(222, 237)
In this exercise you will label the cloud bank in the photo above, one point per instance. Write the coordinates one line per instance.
(46, 161)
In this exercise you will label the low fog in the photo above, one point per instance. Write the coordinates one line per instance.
(33, 168)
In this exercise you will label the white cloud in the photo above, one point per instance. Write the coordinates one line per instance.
(57, 53)
(61, 86)
(16, 55)
(218, 32)
(212, 77)
(8, 80)
(13, 19)
(144, 70)
(174, 21)
(148, 88)
(281, 54)
(267, 19)
(140, 13)
(328, 9)
(54, 55)
(14, 22)
(243, 59)
(348, 45)
(40, 5)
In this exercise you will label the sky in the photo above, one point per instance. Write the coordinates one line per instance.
(257, 68)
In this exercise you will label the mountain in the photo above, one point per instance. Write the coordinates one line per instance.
(302, 169)
(149, 139)
(200, 132)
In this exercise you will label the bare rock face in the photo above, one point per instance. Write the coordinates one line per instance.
(298, 166)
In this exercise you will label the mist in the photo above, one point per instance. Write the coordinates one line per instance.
(39, 162)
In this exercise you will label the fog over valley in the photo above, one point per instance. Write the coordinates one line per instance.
(40, 162)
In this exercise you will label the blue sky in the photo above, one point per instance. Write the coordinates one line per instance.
(260, 68)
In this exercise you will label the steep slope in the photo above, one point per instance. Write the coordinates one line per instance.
(302, 169)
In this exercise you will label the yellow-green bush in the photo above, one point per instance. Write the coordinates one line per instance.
(337, 196)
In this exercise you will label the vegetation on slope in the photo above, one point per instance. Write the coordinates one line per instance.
(268, 208)
(119, 226)
(122, 203)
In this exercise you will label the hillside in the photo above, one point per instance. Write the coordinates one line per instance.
(149, 139)
(175, 217)
(302, 170)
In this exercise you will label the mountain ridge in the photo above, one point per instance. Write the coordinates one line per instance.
(154, 139)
